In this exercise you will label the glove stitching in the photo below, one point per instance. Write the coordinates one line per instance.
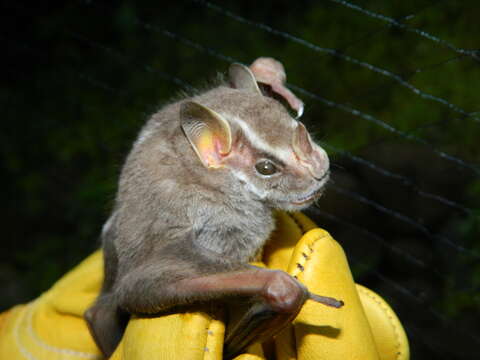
(16, 333)
(41, 343)
(302, 263)
(297, 222)
(206, 349)
(386, 311)
(301, 267)
(306, 257)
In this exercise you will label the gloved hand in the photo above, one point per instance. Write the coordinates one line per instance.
(364, 328)
(52, 326)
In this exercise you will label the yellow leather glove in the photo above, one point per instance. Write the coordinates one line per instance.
(364, 328)
(52, 327)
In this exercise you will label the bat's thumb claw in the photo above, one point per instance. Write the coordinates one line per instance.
(329, 301)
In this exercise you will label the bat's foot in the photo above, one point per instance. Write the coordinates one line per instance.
(282, 299)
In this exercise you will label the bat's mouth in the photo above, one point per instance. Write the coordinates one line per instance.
(315, 193)
(309, 197)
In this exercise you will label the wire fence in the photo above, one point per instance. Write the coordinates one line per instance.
(362, 205)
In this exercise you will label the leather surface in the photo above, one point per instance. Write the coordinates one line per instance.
(52, 326)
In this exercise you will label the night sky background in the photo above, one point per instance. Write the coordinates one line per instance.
(392, 92)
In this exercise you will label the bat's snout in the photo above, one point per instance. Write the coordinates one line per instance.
(310, 155)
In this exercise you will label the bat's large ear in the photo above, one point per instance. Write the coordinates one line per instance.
(208, 132)
(270, 75)
(242, 78)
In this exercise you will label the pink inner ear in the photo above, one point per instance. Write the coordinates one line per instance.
(220, 147)
(210, 150)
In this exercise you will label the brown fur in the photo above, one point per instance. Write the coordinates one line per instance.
(175, 220)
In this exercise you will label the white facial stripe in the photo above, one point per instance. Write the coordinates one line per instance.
(262, 194)
(284, 154)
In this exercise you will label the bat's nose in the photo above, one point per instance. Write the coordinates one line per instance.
(312, 156)
(320, 163)
(324, 177)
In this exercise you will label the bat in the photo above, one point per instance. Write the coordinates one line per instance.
(194, 207)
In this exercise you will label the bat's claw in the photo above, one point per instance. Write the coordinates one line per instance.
(329, 301)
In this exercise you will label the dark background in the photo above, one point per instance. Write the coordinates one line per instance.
(396, 108)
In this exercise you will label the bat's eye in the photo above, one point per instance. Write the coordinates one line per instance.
(266, 167)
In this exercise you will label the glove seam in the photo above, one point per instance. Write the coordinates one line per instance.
(16, 333)
(297, 222)
(211, 341)
(307, 252)
(301, 267)
(206, 350)
(303, 231)
(386, 311)
(27, 319)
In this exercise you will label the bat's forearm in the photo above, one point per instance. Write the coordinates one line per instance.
(278, 289)
(146, 294)
(278, 298)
